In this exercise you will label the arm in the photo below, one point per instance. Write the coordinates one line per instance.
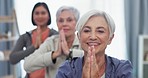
(40, 58)
(18, 53)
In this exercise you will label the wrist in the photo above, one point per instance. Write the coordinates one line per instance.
(54, 54)
(53, 57)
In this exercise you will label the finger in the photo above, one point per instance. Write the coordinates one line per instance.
(59, 43)
(62, 35)
(87, 59)
(89, 52)
(93, 50)
(94, 67)
(93, 57)
(86, 68)
(65, 48)
(93, 54)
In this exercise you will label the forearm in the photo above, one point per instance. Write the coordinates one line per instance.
(37, 61)
(16, 56)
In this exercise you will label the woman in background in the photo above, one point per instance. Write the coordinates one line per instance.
(32, 40)
(95, 32)
(57, 48)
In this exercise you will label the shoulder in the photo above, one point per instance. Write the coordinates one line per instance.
(25, 36)
(50, 42)
(116, 61)
(119, 63)
(53, 31)
(52, 38)
(120, 67)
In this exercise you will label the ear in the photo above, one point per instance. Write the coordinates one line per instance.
(110, 40)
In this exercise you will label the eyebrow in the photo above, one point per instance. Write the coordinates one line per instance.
(97, 27)
(86, 27)
(66, 17)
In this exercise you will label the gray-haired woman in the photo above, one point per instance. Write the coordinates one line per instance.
(56, 49)
(95, 32)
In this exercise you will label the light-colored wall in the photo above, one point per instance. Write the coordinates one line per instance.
(114, 7)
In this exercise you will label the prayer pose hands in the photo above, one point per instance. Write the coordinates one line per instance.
(62, 46)
(91, 68)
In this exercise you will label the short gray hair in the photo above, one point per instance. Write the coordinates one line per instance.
(68, 8)
(91, 13)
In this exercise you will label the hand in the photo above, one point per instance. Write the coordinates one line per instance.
(90, 68)
(58, 52)
(64, 45)
(38, 38)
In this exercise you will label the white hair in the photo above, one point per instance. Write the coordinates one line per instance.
(91, 13)
(75, 12)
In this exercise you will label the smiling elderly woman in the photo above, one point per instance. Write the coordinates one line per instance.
(95, 32)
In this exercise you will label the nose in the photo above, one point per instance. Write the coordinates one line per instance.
(64, 23)
(40, 15)
(93, 36)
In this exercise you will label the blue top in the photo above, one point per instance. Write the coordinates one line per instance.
(115, 68)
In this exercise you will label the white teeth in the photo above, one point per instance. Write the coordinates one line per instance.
(92, 44)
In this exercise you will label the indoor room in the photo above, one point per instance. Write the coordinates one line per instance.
(130, 40)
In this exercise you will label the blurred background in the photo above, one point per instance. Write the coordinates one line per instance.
(130, 40)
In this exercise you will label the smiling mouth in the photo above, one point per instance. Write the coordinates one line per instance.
(65, 30)
(93, 43)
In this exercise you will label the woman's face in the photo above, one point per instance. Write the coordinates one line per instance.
(40, 16)
(67, 22)
(95, 33)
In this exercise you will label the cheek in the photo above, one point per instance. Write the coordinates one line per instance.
(34, 17)
(72, 25)
(83, 44)
(83, 36)
(83, 39)
(105, 40)
(46, 17)
(59, 26)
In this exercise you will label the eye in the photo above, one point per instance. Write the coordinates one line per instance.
(43, 12)
(69, 19)
(86, 30)
(36, 13)
(60, 20)
(100, 30)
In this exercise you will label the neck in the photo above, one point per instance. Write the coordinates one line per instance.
(101, 64)
(42, 28)
(100, 58)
